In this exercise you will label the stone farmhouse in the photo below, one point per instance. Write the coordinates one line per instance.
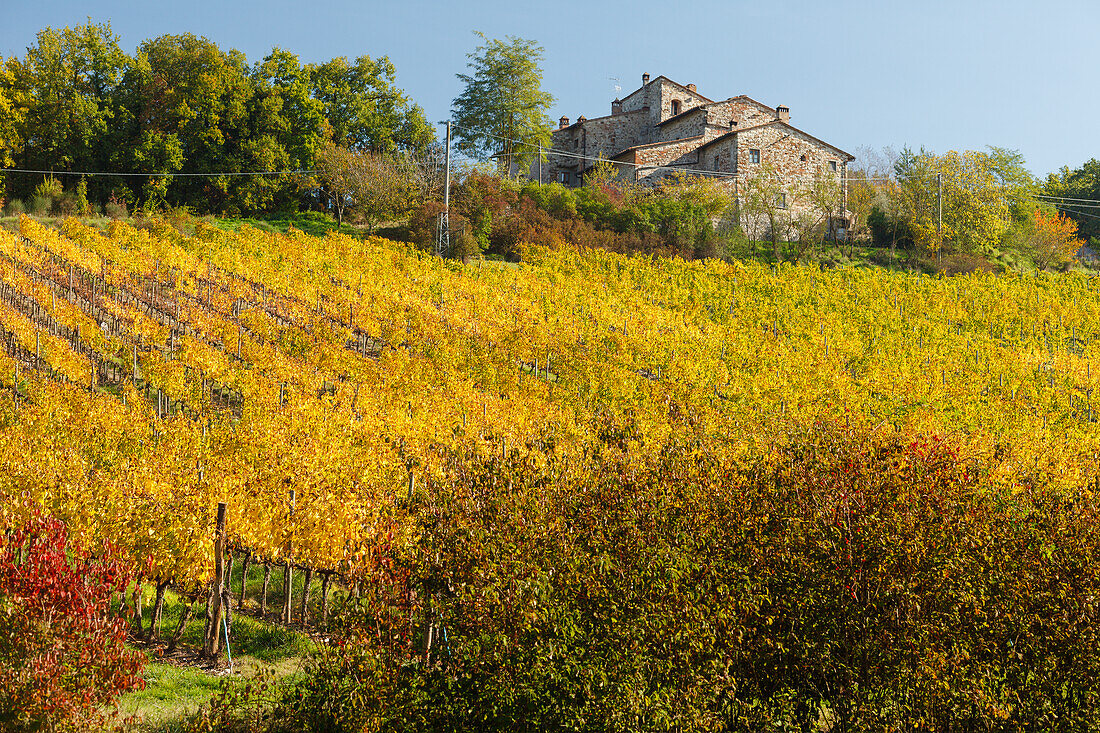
(665, 128)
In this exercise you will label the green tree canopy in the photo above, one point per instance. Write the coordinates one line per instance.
(59, 99)
(365, 108)
(502, 111)
(1079, 183)
(181, 104)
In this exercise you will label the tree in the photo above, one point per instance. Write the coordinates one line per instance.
(371, 186)
(1079, 183)
(861, 199)
(365, 109)
(762, 207)
(1051, 241)
(187, 104)
(916, 194)
(808, 227)
(502, 111)
(11, 116)
(61, 98)
(976, 212)
(336, 177)
(63, 654)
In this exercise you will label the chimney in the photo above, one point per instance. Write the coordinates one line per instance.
(645, 79)
(691, 88)
(617, 107)
(581, 119)
(563, 123)
(782, 113)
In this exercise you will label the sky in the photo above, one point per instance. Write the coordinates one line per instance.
(862, 75)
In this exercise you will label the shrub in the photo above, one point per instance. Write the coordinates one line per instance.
(848, 578)
(68, 204)
(63, 658)
(49, 188)
(423, 225)
(964, 263)
(116, 208)
(40, 205)
(15, 207)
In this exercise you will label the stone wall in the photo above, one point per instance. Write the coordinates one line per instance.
(715, 140)
(747, 111)
(691, 124)
(600, 137)
(650, 159)
(658, 95)
(795, 158)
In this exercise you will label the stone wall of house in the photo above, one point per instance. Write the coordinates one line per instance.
(717, 139)
(747, 111)
(658, 95)
(720, 156)
(650, 160)
(691, 124)
(795, 158)
(600, 137)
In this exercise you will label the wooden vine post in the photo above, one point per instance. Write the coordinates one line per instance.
(245, 560)
(212, 645)
(304, 612)
(287, 571)
(263, 591)
(324, 597)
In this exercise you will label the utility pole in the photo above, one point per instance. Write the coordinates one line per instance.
(540, 164)
(443, 245)
(939, 215)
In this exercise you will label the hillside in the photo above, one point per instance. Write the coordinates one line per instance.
(629, 434)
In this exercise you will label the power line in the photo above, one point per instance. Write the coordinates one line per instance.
(1078, 213)
(157, 175)
(1066, 198)
(700, 171)
(1080, 206)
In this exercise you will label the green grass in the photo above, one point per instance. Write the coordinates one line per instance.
(171, 694)
(311, 222)
(174, 692)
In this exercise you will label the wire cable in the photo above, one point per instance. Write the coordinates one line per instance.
(157, 175)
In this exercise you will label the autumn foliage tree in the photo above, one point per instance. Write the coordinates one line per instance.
(63, 658)
(1051, 241)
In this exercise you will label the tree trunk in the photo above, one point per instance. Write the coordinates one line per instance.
(212, 644)
(263, 591)
(184, 618)
(158, 607)
(324, 599)
(244, 579)
(136, 601)
(303, 616)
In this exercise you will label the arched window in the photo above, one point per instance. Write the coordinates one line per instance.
(675, 107)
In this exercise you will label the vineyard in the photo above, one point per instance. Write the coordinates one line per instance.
(400, 421)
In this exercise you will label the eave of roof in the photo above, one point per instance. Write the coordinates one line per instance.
(682, 114)
(593, 119)
(783, 124)
(624, 151)
(670, 81)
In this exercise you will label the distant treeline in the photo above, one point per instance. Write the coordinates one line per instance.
(76, 102)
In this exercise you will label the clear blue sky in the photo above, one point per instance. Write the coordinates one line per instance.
(857, 73)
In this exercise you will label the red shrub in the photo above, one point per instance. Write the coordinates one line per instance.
(63, 657)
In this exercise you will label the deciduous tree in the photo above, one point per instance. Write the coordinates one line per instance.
(364, 107)
(502, 110)
(1051, 240)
